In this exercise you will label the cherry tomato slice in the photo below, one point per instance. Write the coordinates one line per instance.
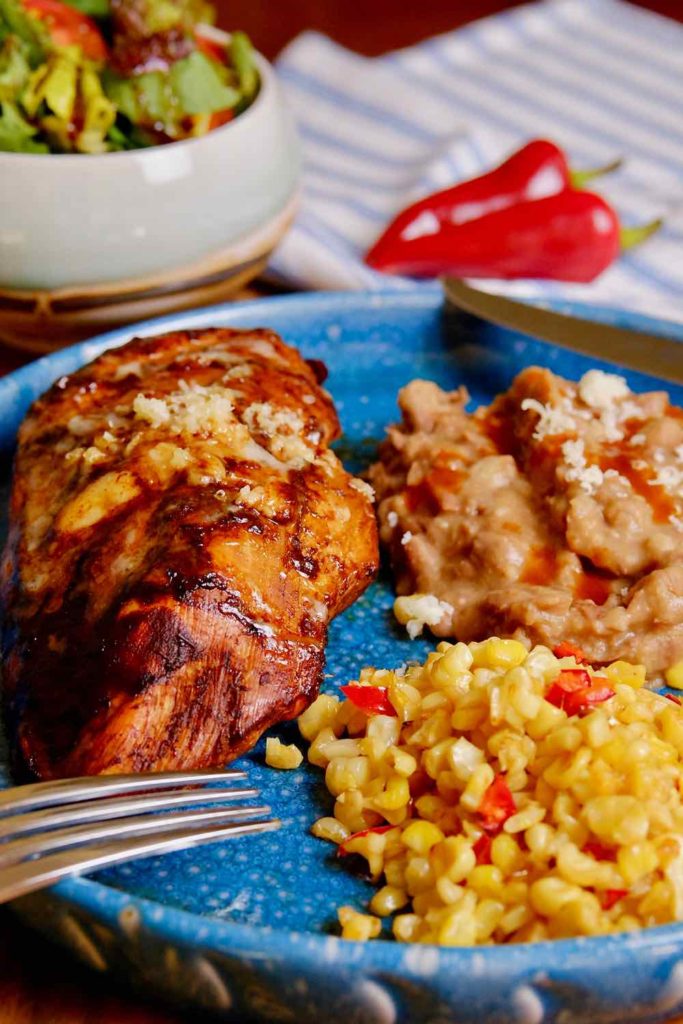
(210, 47)
(68, 27)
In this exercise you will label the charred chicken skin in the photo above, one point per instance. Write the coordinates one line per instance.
(180, 537)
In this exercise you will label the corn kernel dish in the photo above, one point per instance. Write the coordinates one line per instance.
(504, 795)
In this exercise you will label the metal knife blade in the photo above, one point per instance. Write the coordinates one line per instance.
(634, 350)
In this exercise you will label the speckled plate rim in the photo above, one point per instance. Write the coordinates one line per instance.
(176, 926)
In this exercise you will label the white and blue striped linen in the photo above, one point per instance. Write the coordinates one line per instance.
(603, 78)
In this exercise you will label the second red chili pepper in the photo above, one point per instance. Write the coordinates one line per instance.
(537, 170)
(571, 236)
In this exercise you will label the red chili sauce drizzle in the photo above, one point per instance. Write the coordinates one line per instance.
(593, 586)
(540, 567)
(429, 493)
(657, 497)
(499, 431)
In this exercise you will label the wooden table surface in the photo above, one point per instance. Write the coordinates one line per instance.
(39, 984)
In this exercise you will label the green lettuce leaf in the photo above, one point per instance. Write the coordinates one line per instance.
(14, 68)
(242, 55)
(16, 134)
(14, 21)
(198, 86)
(124, 135)
(142, 99)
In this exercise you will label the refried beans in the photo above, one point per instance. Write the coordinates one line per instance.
(554, 514)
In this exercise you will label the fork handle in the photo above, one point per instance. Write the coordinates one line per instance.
(32, 875)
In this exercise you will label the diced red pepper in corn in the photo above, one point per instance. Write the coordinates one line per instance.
(497, 805)
(377, 830)
(571, 679)
(574, 691)
(565, 650)
(373, 700)
(673, 697)
(612, 896)
(482, 849)
(599, 850)
(583, 700)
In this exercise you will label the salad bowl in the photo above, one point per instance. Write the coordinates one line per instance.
(89, 242)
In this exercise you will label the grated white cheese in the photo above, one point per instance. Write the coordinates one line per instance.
(363, 488)
(282, 428)
(406, 538)
(601, 390)
(238, 372)
(607, 395)
(93, 455)
(419, 610)
(134, 368)
(193, 409)
(637, 440)
(551, 420)
(589, 478)
(671, 478)
(392, 519)
(610, 421)
(263, 416)
(154, 411)
(250, 495)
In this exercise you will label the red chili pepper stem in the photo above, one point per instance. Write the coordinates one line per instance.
(578, 179)
(629, 238)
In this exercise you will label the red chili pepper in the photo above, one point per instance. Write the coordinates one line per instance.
(574, 691)
(377, 830)
(612, 896)
(536, 170)
(673, 697)
(497, 805)
(373, 700)
(565, 650)
(571, 236)
(599, 850)
(482, 849)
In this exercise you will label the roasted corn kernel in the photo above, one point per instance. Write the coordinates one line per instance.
(513, 820)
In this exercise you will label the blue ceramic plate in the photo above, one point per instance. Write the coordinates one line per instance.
(247, 927)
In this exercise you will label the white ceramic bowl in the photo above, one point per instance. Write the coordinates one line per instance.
(76, 221)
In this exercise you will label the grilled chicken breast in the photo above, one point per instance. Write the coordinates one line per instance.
(180, 536)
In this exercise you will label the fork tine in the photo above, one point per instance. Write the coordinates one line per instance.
(19, 849)
(60, 791)
(116, 807)
(31, 875)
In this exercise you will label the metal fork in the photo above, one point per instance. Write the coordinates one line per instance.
(52, 829)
